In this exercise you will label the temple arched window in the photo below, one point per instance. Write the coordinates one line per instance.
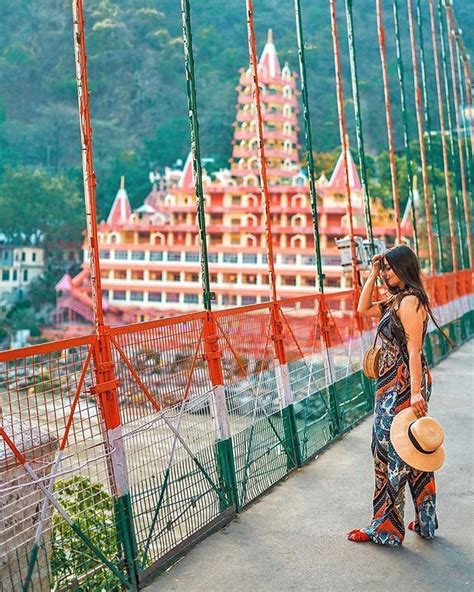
(252, 220)
(251, 200)
(250, 180)
(253, 163)
(298, 220)
(298, 241)
(250, 240)
(298, 201)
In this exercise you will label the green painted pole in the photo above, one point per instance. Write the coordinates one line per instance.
(208, 296)
(450, 122)
(358, 122)
(406, 132)
(428, 125)
(223, 445)
(309, 143)
(323, 313)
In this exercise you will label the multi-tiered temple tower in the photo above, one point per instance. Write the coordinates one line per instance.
(150, 256)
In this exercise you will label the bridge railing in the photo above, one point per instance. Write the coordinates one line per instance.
(210, 414)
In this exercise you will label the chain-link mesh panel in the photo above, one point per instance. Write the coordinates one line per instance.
(168, 432)
(350, 389)
(46, 390)
(262, 447)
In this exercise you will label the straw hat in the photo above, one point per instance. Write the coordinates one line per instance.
(419, 442)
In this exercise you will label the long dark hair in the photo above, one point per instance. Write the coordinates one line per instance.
(404, 263)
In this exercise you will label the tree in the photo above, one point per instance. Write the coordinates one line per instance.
(39, 206)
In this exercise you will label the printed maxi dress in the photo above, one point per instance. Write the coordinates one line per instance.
(391, 473)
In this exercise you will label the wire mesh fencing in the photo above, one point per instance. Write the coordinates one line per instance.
(86, 504)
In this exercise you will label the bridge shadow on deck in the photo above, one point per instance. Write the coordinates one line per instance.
(293, 538)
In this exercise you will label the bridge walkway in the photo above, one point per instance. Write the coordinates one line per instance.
(293, 538)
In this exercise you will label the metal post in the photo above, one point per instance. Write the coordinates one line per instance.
(322, 310)
(421, 139)
(309, 144)
(224, 449)
(358, 122)
(447, 92)
(276, 322)
(444, 145)
(388, 115)
(462, 164)
(106, 385)
(428, 125)
(345, 147)
(406, 133)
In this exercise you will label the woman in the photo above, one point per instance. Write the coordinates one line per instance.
(404, 380)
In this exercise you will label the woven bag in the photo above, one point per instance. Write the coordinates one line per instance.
(370, 362)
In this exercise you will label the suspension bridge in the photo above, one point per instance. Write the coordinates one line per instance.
(123, 448)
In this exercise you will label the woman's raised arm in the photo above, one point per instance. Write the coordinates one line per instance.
(365, 306)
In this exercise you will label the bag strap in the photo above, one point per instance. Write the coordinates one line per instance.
(376, 335)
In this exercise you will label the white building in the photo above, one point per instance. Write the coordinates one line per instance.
(19, 266)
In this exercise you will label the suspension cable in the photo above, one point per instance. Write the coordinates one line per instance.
(406, 133)
(444, 145)
(388, 116)
(450, 130)
(462, 164)
(465, 121)
(261, 148)
(343, 135)
(421, 139)
(309, 143)
(196, 149)
(358, 124)
(429, 130)
(87, 162)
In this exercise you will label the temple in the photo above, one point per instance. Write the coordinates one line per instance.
(150, 256)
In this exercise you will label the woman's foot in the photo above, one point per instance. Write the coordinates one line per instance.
(411, 526)
(358, 536)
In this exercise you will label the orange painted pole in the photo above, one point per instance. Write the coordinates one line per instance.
(388, 119)
(421, 140)
(282, 373)
(444, 145)
(345, 147)
(277, 324)
(105, 388)
(462, 164)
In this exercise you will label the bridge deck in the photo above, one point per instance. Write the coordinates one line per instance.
(294, 537)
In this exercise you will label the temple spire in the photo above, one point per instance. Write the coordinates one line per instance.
(121, 210)
(269, 58)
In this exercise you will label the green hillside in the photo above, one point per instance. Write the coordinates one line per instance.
(137, 82)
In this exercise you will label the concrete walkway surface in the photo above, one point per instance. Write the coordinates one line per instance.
(294, 538)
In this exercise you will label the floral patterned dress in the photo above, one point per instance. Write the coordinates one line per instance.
(391, 473)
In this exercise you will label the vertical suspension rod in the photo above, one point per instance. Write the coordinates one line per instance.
(87, 161)
(196, 148)
(429, 129)
(460, 142)
(343, 135)
(421, 138)
(261, 148)
(358, 123)
(389, 122)
(406, 133)
(465, 114)
(309, 143)
(444, 145)
(447, 93)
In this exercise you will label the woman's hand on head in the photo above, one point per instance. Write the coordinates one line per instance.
(418, 404)
(376, 264)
